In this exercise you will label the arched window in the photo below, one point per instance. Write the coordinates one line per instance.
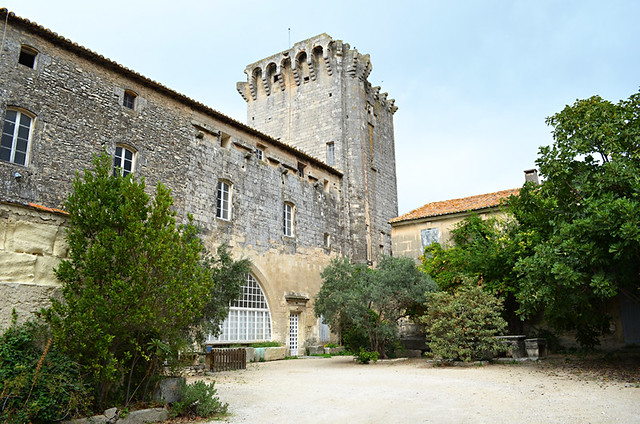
(249, 318)
(16, 135)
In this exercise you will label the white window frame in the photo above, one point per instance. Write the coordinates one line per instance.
(16, 135)
(223, 200)
(260, 153)
(288, 210)
(121, 163)
(249, 318)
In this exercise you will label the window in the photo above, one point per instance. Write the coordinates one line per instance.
(123, 161)
(331, 153)
(327, 241)
(287, 219)
(249, 319)
(429, 236)
(129, 100)
(223, 202)
(260, 152)
(16, 133)
(300, 171)
(28, 56)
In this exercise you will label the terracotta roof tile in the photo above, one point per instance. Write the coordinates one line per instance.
(44, 208)
(465, 204)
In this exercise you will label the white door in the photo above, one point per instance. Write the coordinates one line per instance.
(293, 335)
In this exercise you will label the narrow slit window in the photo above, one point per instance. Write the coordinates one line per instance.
(223, 201)
(287, 219)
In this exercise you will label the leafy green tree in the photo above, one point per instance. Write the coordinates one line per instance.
(370, 302)
(135, 283)
(484, 250)
(463, 324)
(586, 215)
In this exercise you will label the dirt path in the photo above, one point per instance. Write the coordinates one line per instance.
(337, 390)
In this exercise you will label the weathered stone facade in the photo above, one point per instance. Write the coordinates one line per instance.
(316, 97)
(76, 102)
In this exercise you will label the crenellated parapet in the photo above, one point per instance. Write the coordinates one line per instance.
(307, 62)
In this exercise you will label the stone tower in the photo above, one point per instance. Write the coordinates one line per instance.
(316, 97)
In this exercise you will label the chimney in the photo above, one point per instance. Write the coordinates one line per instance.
(531, 175)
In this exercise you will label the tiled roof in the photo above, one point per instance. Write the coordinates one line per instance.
(44, 208)
(465, 204)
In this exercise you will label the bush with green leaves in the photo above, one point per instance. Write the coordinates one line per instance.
(462, 325)
(198, 399)
(365, 356)
(136, 286)
(38, 383)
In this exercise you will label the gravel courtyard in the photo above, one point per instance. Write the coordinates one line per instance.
(337, 390)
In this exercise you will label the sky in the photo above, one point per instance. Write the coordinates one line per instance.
(473, 80)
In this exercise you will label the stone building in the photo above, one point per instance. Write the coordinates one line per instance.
(433, 222)
(311, 177)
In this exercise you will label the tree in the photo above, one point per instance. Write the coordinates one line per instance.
(586, 215)
(484, 250)
(463, 324)
(369, 301)
(135, 284)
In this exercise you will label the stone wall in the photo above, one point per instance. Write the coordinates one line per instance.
(317, 93)
(31, 245)
(76, 99)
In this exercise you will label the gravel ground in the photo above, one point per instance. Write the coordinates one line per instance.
(337, 390)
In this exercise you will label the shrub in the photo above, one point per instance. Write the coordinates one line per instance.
(267, 344)
(38, 383)
(463, 325)
(366, 356)
(199, 399)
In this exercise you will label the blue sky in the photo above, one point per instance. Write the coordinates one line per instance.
(473, 80)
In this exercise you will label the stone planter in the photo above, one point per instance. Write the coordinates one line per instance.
(514, 346)
(536, 348)
(264, 354)
(274, 353)
(333, 350)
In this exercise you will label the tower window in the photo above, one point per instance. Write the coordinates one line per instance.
(27, 56)
(123, 161)
(129, 100)
(301, 167)
(260, 152)
(16, 134)
(331, 153)
(223, 201)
